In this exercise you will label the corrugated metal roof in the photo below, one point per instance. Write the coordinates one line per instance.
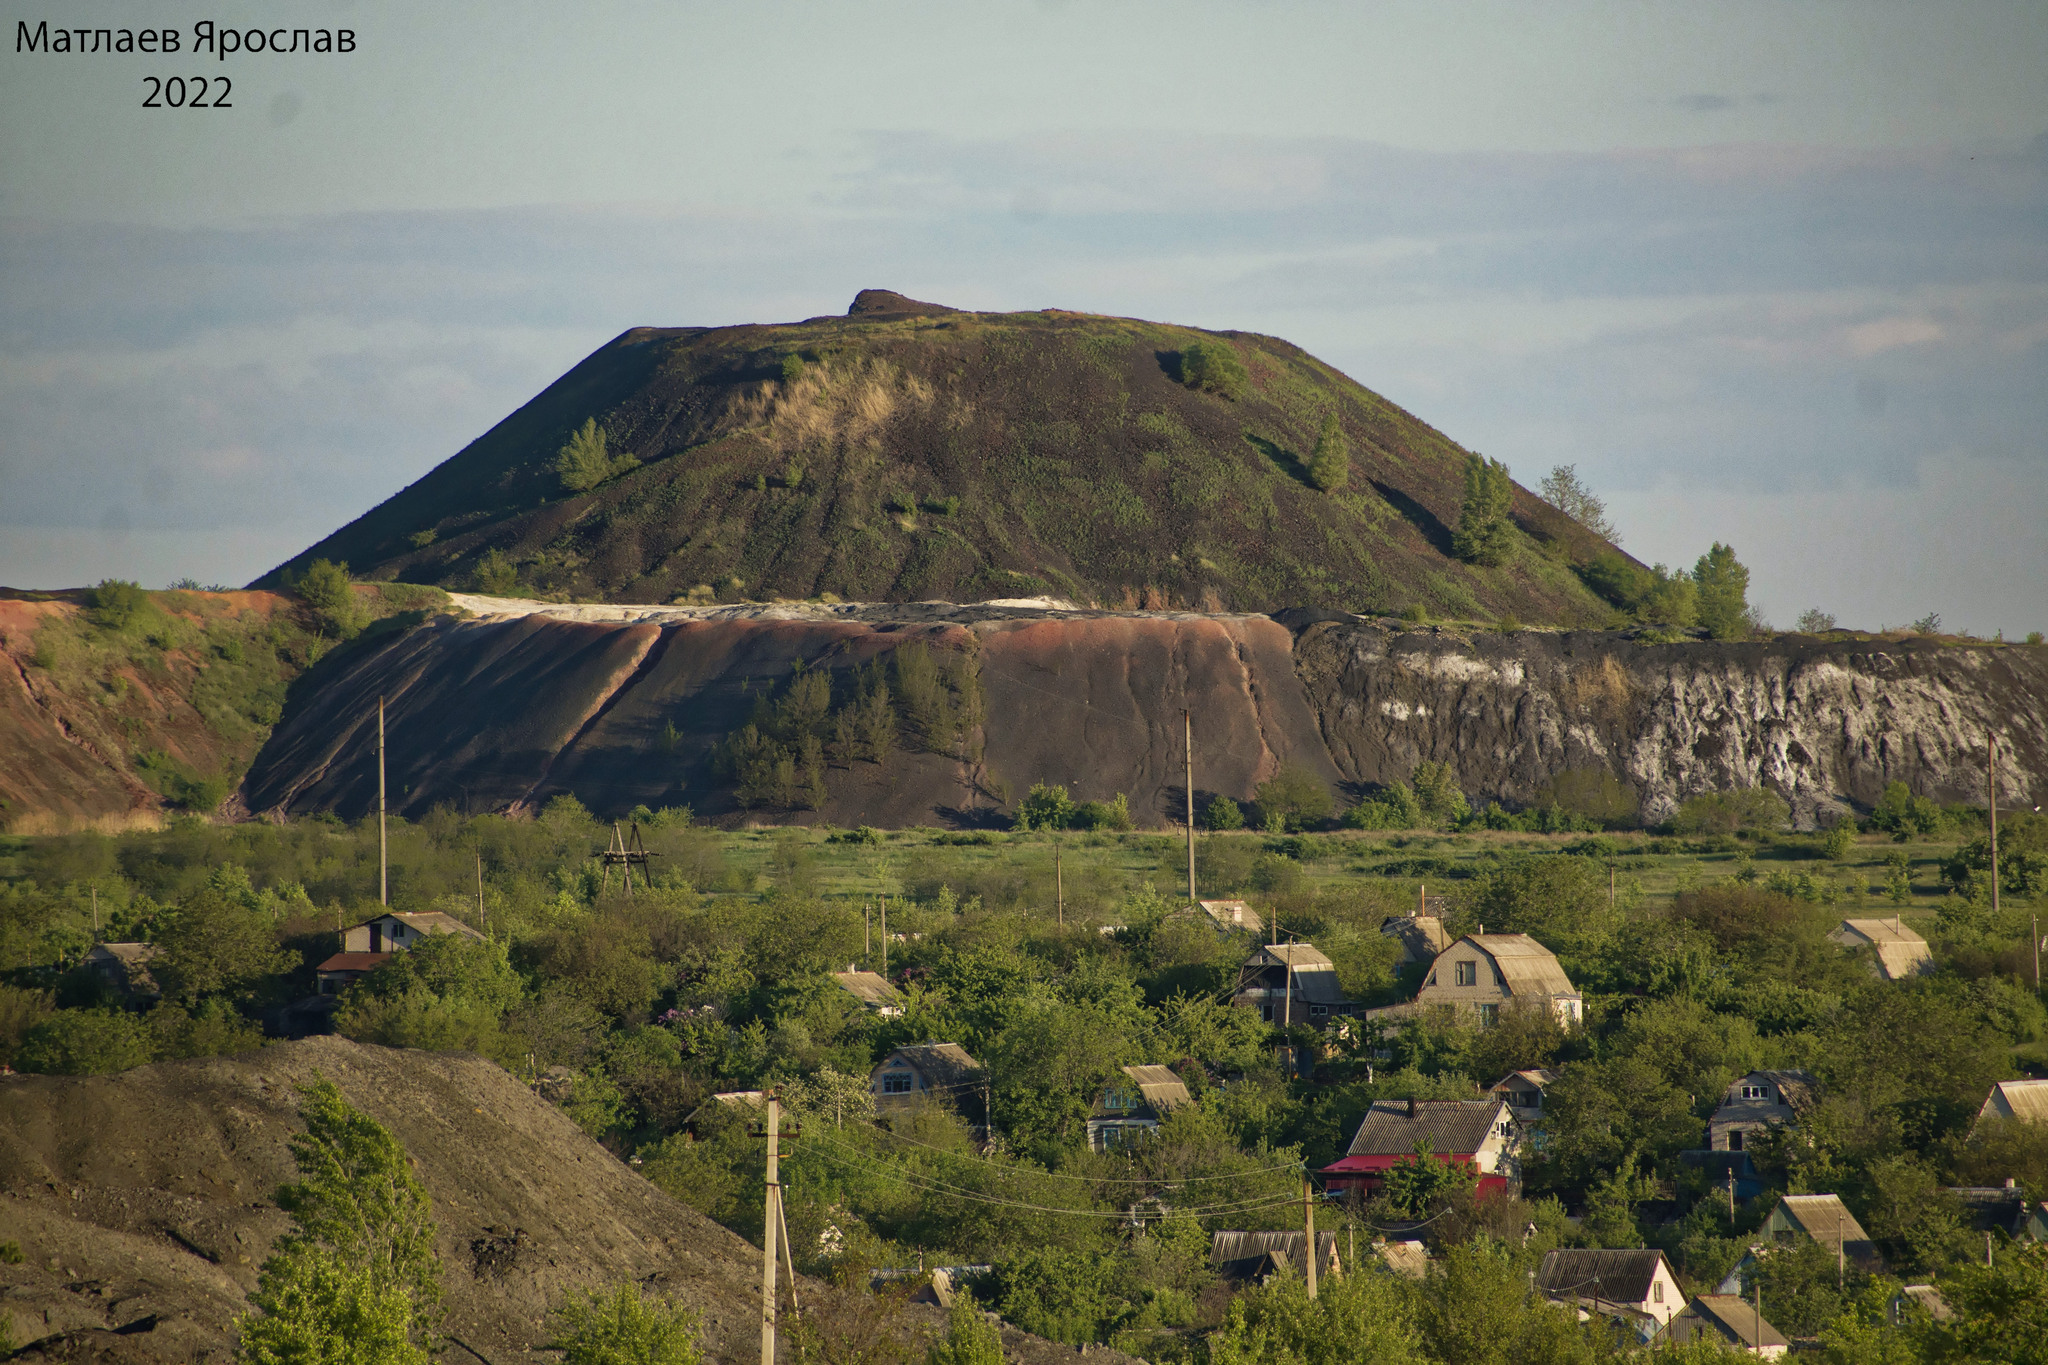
(1422, 937)
(1623, 1276)
(2028, 1100)
(1303, 957)
(870, 988)
(941, 1064)
(1452, 1127)
(1162, 1089)
(1234, 915)
(1827, 1220)
(1233, 1250)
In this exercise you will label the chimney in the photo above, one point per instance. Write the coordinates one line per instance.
(2011, 1184)
(1411, 1106)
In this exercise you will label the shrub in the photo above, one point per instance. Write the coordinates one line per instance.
(494, 575)
(1814, 621)
(1222, 813)
(1437, 794)
(330, 599)
(1594, 794)
(1563, 490)
(1750, 808)
(1394, 807)
(626, 1326)
(2034, 637)
(86, 1043)
(1485, 533)
(1045, 807)
(970, 1338)
(792, 368)
(1329, 467)
(116, 604)
(1214, 367)
(1837, 840)
(1905, 816)
(1115, 815)
(1295, 795)
(585, 460)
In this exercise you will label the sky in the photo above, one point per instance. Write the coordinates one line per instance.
(1768, 274)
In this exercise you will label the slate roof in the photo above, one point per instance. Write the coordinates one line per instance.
(354, 962)
(1928, 1297)
(1164, 1091)
(870, 988)
(1794, 1090)
(1409, 1259)
(1826, 1219)
(1452, 1127)
(1234, 915)
(1529, 968)
(1993, 1207)
(1315, 976)
(943, 1065)
(1249, 1255)
(426, 922)
(2028, 1100)
(1900, 951)
(1538, 1077)
(1422, 937)
(1727, 1316)
(1621, 1276)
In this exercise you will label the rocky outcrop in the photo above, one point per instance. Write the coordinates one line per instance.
(625, 706)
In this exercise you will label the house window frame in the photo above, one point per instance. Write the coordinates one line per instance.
(899, 1083)
(1464, 973)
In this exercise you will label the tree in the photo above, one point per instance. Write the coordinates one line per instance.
(1814, 621)
(1045, 807)
(116, 604)
(1329, 467)
(1723, 586)
(585, 460)
(1485, 533)
(1222, 813)
(1437, 794)
(330, 600)
(86, 1043)
(624, 1326)
(355, 1281)
(1214, 367)
(1361, 1317)
(2001, 1311)
(1415, 1183)
(217, 944)
(1563, 490)
(1294, 794)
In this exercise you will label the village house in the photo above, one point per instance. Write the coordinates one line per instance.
(872, 989)
(2017, 1102)
(1757, 1103)
(1255, 1257)
(1408, 1259)
(1728, 1318)
(1422, 938)
(1993, 1208)
(1291, 983)
(1641, 1282)
(1523, 1090)
(124, 967)
(1899, 952)
(1483, 972)
(927, 1072)
(371, 944)
(1821, 1217)
(1483, 1133)
(1132, 1107)
(1231, 917)
(1916, 1298)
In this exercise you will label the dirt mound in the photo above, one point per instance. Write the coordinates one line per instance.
(143, 1204)
(908, 451)
(510, 710)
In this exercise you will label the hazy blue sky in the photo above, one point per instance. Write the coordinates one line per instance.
(1774, 274)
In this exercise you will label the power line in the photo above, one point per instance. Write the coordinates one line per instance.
(1083, 1179)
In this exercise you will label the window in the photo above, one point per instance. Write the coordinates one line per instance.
(1467, 973)
(1488, 1014)
(1266, 1013)
(1734, 1139)
(1318, 1011)
(1657, 1292)
(896, 1082)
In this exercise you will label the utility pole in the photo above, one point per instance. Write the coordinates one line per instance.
(1188, 734)
(1308, 1230)
(1991, 784)
(96, 921)
(771, 1222)
(480, 913)
(1731, 1196)
(867, 932)
(1059, 884)
(885, 938)
(1841, 1253)
(383, 848)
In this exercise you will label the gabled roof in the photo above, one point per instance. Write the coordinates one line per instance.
(1303, 957)
(941, 1064)
(1234, 915)
(1407, 1259)
(1452, 1127)
(1529, 968)
(1900, 951)
(2028, 1100)
(1538, 1077)
(1988, 1207)
(354, 962)
(1314, 975)
(1163, 1090)
(1623, 1276)
(1245, 1255)
(1727, 1316)
(1827, 1220)
(1928, 1297)
(1794, 1090)
(127, 954)
(870, 988)
(1422, 937)
(426, 922)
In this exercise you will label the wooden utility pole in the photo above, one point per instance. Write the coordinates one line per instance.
(383, 848)
(771, 1223)
(867, 932)
(480, 914)
(1059, 885)
(1731, 1196)
(1841, 1253)
(96, 917)
(1991, 783)
(1308, 1230)
(885, 938)
(1188, 735)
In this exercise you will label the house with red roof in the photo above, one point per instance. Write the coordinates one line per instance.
(1481, 1133)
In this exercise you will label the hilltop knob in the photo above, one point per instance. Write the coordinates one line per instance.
(887, 303)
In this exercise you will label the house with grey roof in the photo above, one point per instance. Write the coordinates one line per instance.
(1523, 1090)
(1896, 951)
(2016, 1102)
(1480, 1133)
(1824, 1219)
(1727, 1318)
(1133, 1104)
(124, 967)
(871, 989)
(1233, 917)
(1484, 973)
(370, 945)
(927, 1073)
(1291, 983)
(1421, 937)
(1993, 1208)
(1757, 1103)
(1255, 1257)
(1642, 1282)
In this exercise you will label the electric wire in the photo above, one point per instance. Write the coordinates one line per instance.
(1018, 1173)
